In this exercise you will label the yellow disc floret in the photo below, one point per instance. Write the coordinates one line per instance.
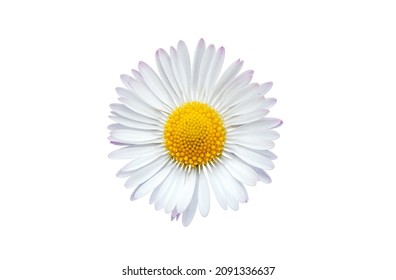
(194, 134)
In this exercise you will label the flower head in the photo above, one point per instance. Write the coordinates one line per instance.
(190, 129)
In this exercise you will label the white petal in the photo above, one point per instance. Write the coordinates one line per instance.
(272, 122)
(162, 55)
(132, 123)
(236, 96)
(156, 197)
(246, 106)
(203, 195)
(151, 183)
(228, 187)
(166, 71)
(241, 80)
(127, 93)
(133, 136)
(251, 157)
(174, 193)
(140, 107)
(184, 67)
(180, 76)
(127, 81)
(132, 152)
(263, 175)
(117, 126)
(199, 52)
(257, 141)
(146, 95)
(240, 170)
(141, 175)
(155, 84)
(246, 118)
(127, 113)
(166, 189)
(238, 83)
(189, 213)
(265, 88)
(130, 173)
(187, 191)
(214, 72)
(235, 187)
(268, 103)
(118, 142)
(203, 71)
(216, 187)
(137, 75)
(269, 154)
(228, 75)
(143, 160)
(153, 196)
(257, 127)
(239, 190)
(272, 134)
(232, 201)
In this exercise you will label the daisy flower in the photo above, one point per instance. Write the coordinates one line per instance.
(190, 130)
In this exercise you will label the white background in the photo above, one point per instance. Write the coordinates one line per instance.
(330, 211)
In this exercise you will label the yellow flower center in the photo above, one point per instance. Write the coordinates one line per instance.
(194, 134)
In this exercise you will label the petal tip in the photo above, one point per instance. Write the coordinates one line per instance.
(142, 64)
(279, 124)
(181, 43)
